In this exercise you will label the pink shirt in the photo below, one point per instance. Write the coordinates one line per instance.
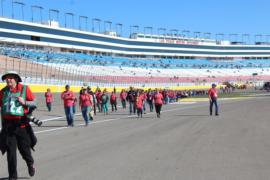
(139, 102)
(48, 97)
(68, 98)
(213, 93)
(158, 98)
(123, 95)
(85, 100)
(113, 97)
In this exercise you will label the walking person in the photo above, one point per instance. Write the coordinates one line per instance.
(131, 97)
(85, 102)
(105, 102)
(144, 98)
(123, 96)
(94, 102)
(150, 97)
(68, 97)
(139, 103)
(74, 105)
(15, 100)
(158, 99)
(49, 99)
(98, 97)
(113, 101)
(213, 95)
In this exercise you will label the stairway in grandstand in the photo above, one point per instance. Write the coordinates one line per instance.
(40, 66)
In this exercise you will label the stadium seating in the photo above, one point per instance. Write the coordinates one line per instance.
(75, 67)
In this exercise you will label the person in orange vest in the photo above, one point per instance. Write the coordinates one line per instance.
(16, 99)
(158, 99)
(213, 95)
(68, 97)
(49, 99)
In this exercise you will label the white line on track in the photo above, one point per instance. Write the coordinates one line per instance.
(109, 120)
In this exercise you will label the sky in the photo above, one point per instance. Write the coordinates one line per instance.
(215, 16)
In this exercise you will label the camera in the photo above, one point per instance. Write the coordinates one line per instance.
(32, 118)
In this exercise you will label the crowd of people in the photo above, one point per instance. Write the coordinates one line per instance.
(91, 102)
(18, 101)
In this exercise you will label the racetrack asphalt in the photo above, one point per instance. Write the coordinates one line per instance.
(185, 143)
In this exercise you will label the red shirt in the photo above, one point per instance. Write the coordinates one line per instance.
(48, 97)
(113, 98)
(139, 102)
(158, 98)
(213, 93)
(98, 96)
(123, 95)
(85, 100)
(68, 97)
(29, 97)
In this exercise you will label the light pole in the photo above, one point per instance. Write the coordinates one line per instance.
(186, 33)
(150, 30)
(2, 7)
(267, 39)
(174, 32)
(162, 32)
(233, 38)
(258, 39)
(245, 40)
(19, 3)
(72, 19)
(136, 30)
(118, 28)
(53, 11)
(107, 26)
(207, 35)
(85, 18)
(40, 11)
(197, 34)
(94, 21)
(221, 35)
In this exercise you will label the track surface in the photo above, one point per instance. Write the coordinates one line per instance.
(185, 143)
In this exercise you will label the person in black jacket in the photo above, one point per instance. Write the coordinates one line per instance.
(131, 97)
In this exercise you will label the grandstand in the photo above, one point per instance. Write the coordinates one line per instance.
(46, 53)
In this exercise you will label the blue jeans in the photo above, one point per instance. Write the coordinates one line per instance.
(105, 108)
(69, 115)
(49, 106)
(85, 114)
(132, 107)
(151, 106)
(213, 101)
(74, 109)
(144, 109)
(123, 103)
(167, 100)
